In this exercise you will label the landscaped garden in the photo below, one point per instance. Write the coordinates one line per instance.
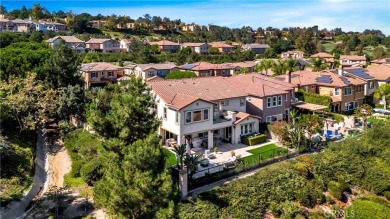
(264, 153)
(170, 157)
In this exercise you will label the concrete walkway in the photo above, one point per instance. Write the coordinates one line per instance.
(18, 209)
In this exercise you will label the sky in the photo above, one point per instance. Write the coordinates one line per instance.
(350, 15)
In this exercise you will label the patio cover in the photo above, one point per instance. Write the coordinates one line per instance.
(311, 107)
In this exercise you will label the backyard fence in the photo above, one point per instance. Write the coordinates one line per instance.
(225, 170)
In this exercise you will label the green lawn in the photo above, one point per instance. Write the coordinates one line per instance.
(171, 158)
(265, 151)
(329, 46)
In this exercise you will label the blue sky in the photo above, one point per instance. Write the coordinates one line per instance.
(350, 15)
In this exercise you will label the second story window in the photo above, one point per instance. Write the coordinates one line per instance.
(150, 73)
(165, 113)
(279, 100)
(197, 115)
(347, 91)
(93, 75)
(177, 117)
(110, 74)
(242, 102)
(206, 114)
(274, 101)
(225, 102)
(370, 85)
(337, 91)
(102, 74)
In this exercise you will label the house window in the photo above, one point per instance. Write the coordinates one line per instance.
(216, 107)
(150, 73)
(196, 116)
(371, 85)
(93, 75)
(337, 91)
(359, 88)
(203, 135)
(313, 87)
(346, 106)
(165, 113)
(347, 91)
(110, 74)
(242, 102)
(102, 74)
(206, 114)
(225, 102)
(279, 100)
(274, 99)
(188, 117)
(177, 117)
(269, 99)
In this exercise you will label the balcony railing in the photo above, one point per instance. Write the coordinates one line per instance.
(225, 116)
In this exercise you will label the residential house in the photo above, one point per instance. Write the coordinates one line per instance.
(352, 60)
(191, 28)
(167, 46)
(196, 47)
(7, 25)
(325, 56)
(98, 74)
(255, 48)
(205, 110)
(249, 65)
(103, 45)
(346, 92)
(124, 45)
(295, 54)
(71, 41)
(362, 74)
(146, 71)
(222, 47)
(44, 26)
(204, 69)
(302, 63)
(22, 25)
(97, 23)
(385, 61)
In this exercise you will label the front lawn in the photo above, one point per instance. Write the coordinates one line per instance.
(329, 46)
(170, 156)
(265, 151)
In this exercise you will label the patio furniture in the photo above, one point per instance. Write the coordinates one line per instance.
(204, 162)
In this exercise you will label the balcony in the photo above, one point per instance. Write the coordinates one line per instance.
(224, 116)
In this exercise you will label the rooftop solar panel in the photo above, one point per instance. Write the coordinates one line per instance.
(360, 73)
(345, 80)
(324, 79)
(188, 66)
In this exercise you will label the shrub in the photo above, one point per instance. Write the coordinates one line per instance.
(314, 98)
(91, 171)
(285, 210)
(180, 74)
(338, 118)
(279, 129)
(258, 139)
(367, 209)
(336, 189)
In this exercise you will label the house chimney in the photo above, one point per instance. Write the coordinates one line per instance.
(340, 70)
(288, 77)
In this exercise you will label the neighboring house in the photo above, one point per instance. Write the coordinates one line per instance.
(295, 54)
(44, 26)
(381, 74)
(362, 74)
(7, 25)
(346, 92)
(15, 25)
(302, 63)
(196, 47)
(71, 41)
(124, 45)
(167, 46)
(215, 108)
(352, 60)
(222, 47)
(255, 48)
(325, 56)
(97, 23)
(103, 45)
(194, 27)
(385, 61)
(250, 65)
(98, 74)
(204, 69)
(146, 71)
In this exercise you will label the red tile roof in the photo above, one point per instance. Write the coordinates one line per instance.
(99, 66)
(241, 116)
(321, 55)
(220, 45)
(292, 52)
(353, 57)
(379, 72)
(164, 43)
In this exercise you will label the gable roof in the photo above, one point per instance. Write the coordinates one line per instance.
(98, 66)
(255, 46)
(68, 39)
(220, 45)
(241, 116)
(158, 66)
(199, 66)
(321, 55)
(127, 41)
(292, 52)
(194, 44)
(353, 57)
(164, 43)
(97, 40)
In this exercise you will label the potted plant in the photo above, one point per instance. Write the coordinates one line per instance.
(215, 149)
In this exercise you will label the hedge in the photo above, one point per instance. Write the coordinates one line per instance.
(314, 98)
(180, 74)
(258, 139)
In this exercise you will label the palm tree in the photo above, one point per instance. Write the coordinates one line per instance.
(364, 111)
(266, 65)
(290, 65)
(318, 64)
(297, 137)
(383, 92)
(278, 68)
(293, 116)
(180, 153)
(192, 161)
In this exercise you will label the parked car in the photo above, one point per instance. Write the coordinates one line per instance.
(384, 111)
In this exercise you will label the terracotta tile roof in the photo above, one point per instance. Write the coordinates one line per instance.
(381, 61)
(254, 84)
(335, 99)
(241, 116)
(255, 46)
(127, 41)
(194, 44)
(199, 66)
(245, 64)
(155, 78)
(220, 45)
(353, 57)
(97, 40)
(379, 72)
(68, 39)
(180, 101)
(305, 78)
(164, 43)
(98, 66)
(321, 55)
